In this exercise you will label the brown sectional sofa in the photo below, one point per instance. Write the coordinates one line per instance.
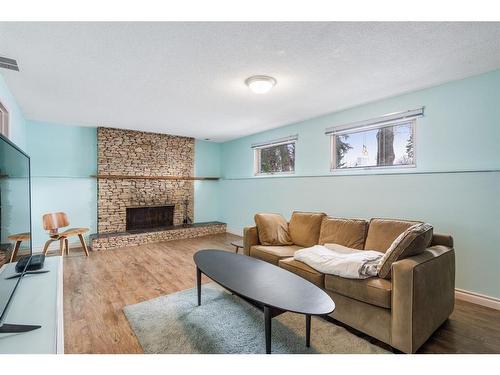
(402, 311)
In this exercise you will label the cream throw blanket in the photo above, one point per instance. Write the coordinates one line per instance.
(341, 261)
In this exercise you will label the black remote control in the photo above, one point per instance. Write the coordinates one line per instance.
(36, 263)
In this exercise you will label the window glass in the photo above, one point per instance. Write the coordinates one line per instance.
(275, 159)
(388, 146)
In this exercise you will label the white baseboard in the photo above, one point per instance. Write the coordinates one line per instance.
(478, 299)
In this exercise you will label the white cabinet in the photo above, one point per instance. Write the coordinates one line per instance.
(38, 300)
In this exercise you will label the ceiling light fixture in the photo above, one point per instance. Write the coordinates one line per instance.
(260, 84)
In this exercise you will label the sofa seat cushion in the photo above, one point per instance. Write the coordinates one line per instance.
(304, 228)
(346, 232)
(375, 291)
(272, 229)
(303, 270)
(383, 232)
(272, 254)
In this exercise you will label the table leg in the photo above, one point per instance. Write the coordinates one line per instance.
(308, 330)
(267, 320)
(198, 284)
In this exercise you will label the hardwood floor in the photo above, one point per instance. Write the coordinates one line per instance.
(96, 288)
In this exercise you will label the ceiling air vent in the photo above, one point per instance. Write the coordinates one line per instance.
(8, 63)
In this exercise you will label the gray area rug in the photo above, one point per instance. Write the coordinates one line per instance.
(226, 324)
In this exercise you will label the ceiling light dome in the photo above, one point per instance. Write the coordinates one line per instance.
(260, 84)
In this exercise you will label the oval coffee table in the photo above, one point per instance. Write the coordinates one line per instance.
(268, 287)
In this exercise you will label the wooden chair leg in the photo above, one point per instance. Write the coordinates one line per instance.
(14, 252)
(61, 246)
(46, 246)
(84, 245)
(66, 244)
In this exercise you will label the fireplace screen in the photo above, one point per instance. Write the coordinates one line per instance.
(150, 217)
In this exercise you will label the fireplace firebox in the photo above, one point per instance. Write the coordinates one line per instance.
(149, 217)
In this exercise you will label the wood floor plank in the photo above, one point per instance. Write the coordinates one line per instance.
(98, 287)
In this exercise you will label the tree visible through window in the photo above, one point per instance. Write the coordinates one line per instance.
(386, 146)
(275, 159)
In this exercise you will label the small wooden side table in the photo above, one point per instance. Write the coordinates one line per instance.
(20, 237)
(238, 245)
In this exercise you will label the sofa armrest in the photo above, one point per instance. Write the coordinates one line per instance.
(250, 238)
(423, 296)
(442, 239)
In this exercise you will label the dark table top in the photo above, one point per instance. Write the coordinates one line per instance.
(263, 283)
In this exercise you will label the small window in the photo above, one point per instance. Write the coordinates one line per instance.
(275, 158)
(390, 145)
(4, 121)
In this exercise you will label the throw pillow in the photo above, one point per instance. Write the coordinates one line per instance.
(411, 242)
(272, 229)
(304, 228)
(346, 232)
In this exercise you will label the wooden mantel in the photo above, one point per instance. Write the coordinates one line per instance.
(126, 177)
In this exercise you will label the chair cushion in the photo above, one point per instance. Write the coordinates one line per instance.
(375, 290)
(303, 270)
(412, 241)
(383, 232)
(304, 228)
(346, 232)
(272, 229)
(272, 254)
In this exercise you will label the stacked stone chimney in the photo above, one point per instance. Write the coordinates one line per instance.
(133, 153)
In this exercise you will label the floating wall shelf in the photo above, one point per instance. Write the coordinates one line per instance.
(125, 177)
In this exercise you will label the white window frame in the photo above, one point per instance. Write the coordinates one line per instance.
(333, 153)
(257, 148)
(4, 121)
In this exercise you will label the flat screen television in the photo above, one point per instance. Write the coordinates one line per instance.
(15, 218)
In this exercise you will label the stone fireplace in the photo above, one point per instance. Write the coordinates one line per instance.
(145, 183)
(131, 153)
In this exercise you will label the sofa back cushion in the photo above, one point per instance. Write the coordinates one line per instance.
(304, 228)
(346, 232)
(272, 229)
(411, 242)
(383, 232)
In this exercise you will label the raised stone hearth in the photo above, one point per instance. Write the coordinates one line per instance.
(108, 241)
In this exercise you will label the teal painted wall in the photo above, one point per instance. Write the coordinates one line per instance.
(460, 131)
(207, 164)
(62, 160)
(16, 118)
(62, 150)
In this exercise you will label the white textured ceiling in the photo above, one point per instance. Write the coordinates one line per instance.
(187, 78)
